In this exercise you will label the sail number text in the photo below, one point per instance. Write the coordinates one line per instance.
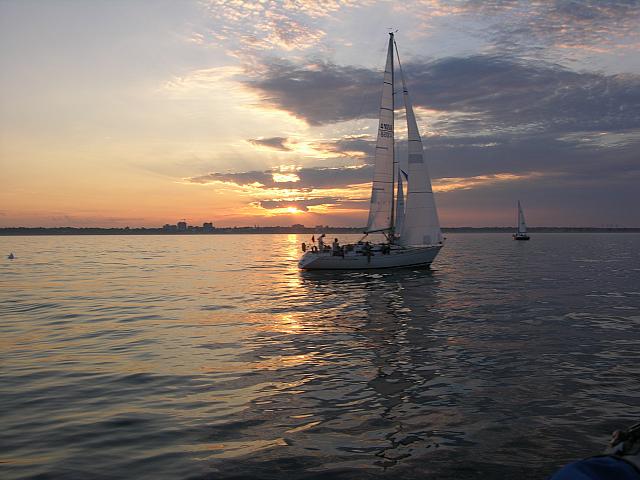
(386, 130)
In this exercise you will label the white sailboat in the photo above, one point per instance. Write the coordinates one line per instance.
(521, 232)
(409, 223)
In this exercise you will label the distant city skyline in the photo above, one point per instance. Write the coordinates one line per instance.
(244, 113)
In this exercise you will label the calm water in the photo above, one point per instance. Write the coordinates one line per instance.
(213, 357)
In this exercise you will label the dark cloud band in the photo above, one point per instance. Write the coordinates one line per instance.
(309, 178)
(277, 143)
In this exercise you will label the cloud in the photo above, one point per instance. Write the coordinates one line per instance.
(300, 204)
(312, 182)
(307, 178)
(536, 27)
(579, 24)
(262, 178)
(480, 93)
(201, 81)
(484, 114)
(546, 153)
(341, 194)
(349, 146)
(317, 190)
(249, 27)
(277, 143)
(520, 97)
(590, 140)
(318, 93)
(468, 183)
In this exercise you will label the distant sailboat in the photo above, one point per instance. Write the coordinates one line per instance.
(409, 223)
(521, 232)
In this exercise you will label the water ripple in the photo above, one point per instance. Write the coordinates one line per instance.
(213, 357)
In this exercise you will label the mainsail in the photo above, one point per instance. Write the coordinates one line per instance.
(381, 208)
(522, 226)
(421, 224)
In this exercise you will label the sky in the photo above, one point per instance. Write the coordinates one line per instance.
(141, 113)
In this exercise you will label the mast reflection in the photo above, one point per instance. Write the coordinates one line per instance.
(399, 313)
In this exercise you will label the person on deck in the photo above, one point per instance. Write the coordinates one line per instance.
(367, 251)
(321, 243)
(335, 246)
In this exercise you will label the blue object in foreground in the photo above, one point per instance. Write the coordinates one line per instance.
(598, 468)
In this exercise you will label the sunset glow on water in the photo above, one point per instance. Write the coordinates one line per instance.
(205, 356)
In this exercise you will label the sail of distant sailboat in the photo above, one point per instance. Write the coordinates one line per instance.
(521, 232)
(522, 226)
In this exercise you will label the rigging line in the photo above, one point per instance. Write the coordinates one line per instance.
(402, 91)
(400, 65)
(404, 85)
(405, 92)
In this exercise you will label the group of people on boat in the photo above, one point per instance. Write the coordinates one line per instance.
(359, 248)
(335, 248)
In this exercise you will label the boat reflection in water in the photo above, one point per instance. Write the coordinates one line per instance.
(382, 374)
(365, 373)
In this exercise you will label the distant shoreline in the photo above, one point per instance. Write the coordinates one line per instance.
(33, 231)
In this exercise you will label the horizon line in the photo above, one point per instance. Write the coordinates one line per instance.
(301, 227)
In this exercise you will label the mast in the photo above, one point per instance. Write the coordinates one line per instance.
(393, 141)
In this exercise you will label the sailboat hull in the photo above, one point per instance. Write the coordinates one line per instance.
(521, 236)
(402, 257)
